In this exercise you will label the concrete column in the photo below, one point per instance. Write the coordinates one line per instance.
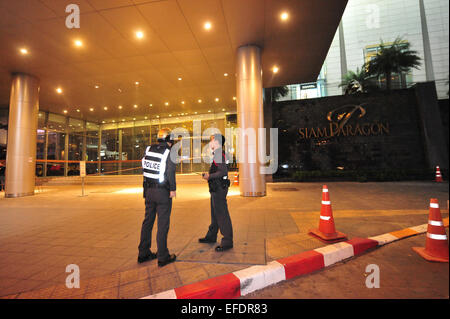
(249, 97)
(22, 136)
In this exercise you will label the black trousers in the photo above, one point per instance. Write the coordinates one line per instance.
(157, 202)
(220, 218)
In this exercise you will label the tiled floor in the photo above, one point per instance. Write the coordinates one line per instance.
(40, 235)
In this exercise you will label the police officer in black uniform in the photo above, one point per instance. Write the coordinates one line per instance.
(159, 189)
(218, 187)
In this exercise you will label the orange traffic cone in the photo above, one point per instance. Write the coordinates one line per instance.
(438, 175)
(436, 246)
(236, 179)
(326, 230)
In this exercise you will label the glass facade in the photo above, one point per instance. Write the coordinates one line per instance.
(117, 148)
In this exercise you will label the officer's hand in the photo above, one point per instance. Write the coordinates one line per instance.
(173, 194)
(205, 176)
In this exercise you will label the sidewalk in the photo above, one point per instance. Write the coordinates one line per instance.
(41, 235)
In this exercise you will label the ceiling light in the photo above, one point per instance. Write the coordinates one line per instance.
(78, 110)
(135, 106)
(157, 116)
(78, 43)
(151, 104)
(23, 51)
(209, 111)
(223, 110)
(195, 112)
(120, 107)
(145, 117)
(199, 101)
(120, 90)
(134, 119)
(91, 109)
(225, 74)
(166, 104)
(179, 79)
(207, 25)
(105, 108)
(182, 102)
(65, 111)
(137, 83)
(275, 69)
(217, 99)
(114, 121)
(139, 34)
(59, 90)
(103, 121)
(123, 120)
(284, 16)
(234, 98)
(170, 115)
(97, 86)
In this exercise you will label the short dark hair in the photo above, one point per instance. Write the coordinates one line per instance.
(219, 137)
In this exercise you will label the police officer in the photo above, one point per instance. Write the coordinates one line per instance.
(159, 189)
(218, 187)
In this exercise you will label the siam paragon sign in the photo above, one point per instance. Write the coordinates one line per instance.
(339, 124)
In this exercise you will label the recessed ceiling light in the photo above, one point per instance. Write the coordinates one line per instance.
(170, 115)
(103, 121)
(105, 108)
(275, 69)
(97, 86)
(217, 99)
(234, 98)
(139, 34)
(120, 90)
(135, 106)
(114, 121)
(182, 102)
(78, 43)
(157, 116)
(209, 111)
(166, 104)
(145, 117)
(134, 119)
(207, 25)
(23, 51)
(58, 90)
(223, 110)
(179, 79)
(284, 16)
(91, 109)
(225, 74)
(137, 82)
(65, 111)
(199, 101)
(120, 107)
(123, 120)
(78, 110)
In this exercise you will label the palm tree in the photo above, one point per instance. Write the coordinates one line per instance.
(354, 82)
(279, 91)
(393, 58)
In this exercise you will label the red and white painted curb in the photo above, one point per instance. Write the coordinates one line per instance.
(248, 280)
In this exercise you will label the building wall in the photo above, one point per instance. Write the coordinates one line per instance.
(367, 22)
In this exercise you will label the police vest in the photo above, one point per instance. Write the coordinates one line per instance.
(154, 163)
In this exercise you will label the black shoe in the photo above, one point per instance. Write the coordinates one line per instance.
(150, 256)
(169, 260)
(206, 240)
(223, 248)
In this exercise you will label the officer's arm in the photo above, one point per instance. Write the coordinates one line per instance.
(222, 169)
(170, 173)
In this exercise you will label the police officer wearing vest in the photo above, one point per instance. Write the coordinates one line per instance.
(159, 189)
(218, 187)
